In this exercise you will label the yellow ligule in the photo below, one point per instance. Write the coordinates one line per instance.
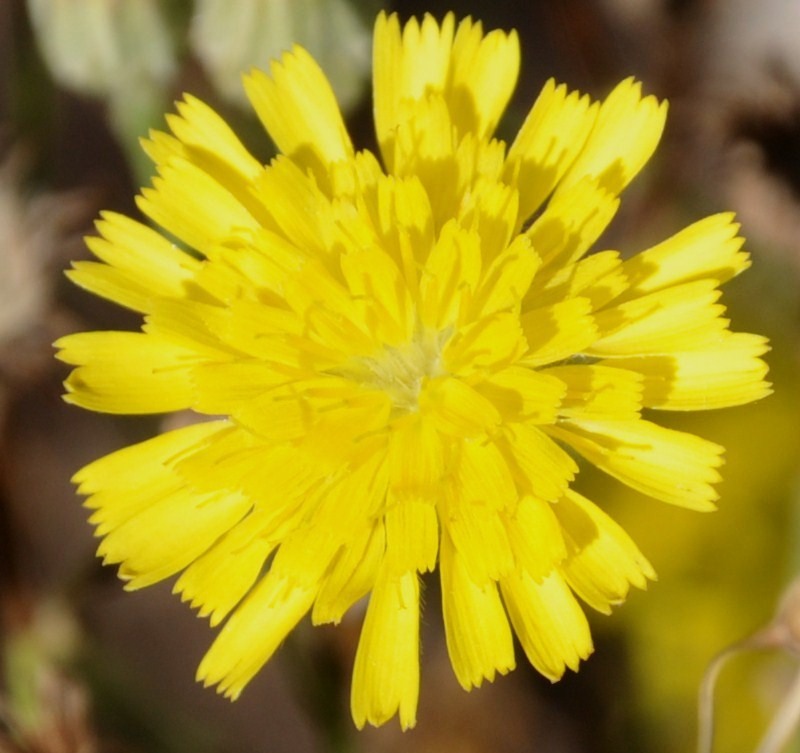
(483, 74)
(708, 249)
(550, 138)
(597, 391)
(130, 372)
(386, 671)
(548, 621)
(478, 635)
(352, 575)
(524, 395)
(602, 560)
(670, 465)
(558, 331)
(726, 373)
(299, 110)
(252, 633)
(624, 136)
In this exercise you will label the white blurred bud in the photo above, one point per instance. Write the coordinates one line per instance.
(230, 38)
(100, 47)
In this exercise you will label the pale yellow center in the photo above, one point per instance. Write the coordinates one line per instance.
(400, 371)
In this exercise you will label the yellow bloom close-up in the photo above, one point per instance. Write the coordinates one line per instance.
(398, 362)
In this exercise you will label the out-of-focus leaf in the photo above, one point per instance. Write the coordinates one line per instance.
(120, 50)
(230, 38)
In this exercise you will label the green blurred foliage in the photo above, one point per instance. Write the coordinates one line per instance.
(721, 575)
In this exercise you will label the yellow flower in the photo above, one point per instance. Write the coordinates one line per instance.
(406, 356)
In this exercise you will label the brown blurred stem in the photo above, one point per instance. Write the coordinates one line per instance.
(317, 677)
(12, 603)
(784, 722)
(767, 638)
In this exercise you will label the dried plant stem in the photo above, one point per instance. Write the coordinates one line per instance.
(785, 721)
(705, 702)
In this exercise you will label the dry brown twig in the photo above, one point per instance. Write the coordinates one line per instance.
(782, 633)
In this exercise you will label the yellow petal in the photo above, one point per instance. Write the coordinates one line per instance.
(330, 512)
(483, 74)
(558, 331)
(425, 146)
(372, 275)
(482, 476)
(456, 409)
(386, 671)
(708, 249)
(333, 315)
(477, 532)
(114, 505)
(507, 279)
(293, 411)
(492, 343)
(553, 133)
(222, 387)
(548, 621)
(128, 481)
(479, 161)
(406, 65)
(523, 395)
(184, 322)
(350, 495)
(129, 372)
(602, 562)
(683, 317)
(254, 328)
(212, 140)
(478, 635)
(298, 210)
(277, 480)
(540, 467)
(535, 537)
(140, 264)
(124, 467)
(598, 277)
(220, 578)
(571, 222)
(490, 209)
(597, 391)
(169, 534)
(162, 147)
(723, 374)
(111, 284)
(416, 457)
(299, 110)
(625, 134)
(483, 486)
(192, 206)
(355, 178)
(253, 632)
(352, 575)
(412, 535)
(670, 465)
(449, 277)
(206, 141)
(306, 553)
(153, 522)
(402, 216)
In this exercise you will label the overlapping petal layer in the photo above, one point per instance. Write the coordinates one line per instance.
(407, 357)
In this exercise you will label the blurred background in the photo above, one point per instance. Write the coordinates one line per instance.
(85, 667)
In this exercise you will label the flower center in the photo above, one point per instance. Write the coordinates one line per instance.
(400, 371)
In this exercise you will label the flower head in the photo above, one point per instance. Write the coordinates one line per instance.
(407, 355)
